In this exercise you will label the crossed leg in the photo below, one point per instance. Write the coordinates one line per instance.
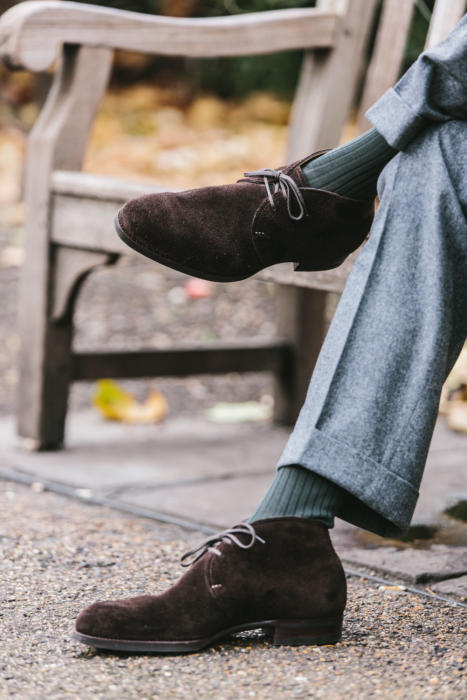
(372, 403)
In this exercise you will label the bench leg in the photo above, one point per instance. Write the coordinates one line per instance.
(302, 321)
(44, 382)
(57, 142)
(46, 358)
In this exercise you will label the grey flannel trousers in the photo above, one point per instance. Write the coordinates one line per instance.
(372, 402)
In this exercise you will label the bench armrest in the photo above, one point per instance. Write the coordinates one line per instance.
(32, 33)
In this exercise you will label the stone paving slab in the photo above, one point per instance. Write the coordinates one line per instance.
(414, 565)
(216, 503)
(215, 474)
(113, 459)
(454, 586)
(109, 457)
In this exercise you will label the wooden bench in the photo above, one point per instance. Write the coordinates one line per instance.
(69, 230)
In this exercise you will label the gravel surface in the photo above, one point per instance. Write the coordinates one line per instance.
(59, 555)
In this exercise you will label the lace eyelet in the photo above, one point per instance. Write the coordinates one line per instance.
(284, 184)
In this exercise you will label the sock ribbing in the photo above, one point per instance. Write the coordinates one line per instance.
(298, 492)
(351, 170)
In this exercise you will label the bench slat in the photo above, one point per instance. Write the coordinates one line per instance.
(32, 33)
(257, 355)
(446, 14)
(388, 53)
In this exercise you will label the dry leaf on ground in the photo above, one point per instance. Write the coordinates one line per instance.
(454, 395)
(11, 256)
(456, 416)
(197, 289)
(243, 412)
(114, 403)
(458, 375)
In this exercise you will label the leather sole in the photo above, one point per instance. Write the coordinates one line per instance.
(298, 266)
(286, 632)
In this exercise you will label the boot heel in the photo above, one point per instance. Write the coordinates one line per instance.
(318, 265)
(294, 632)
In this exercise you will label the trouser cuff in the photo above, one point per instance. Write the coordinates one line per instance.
(377, 499)
(395, 120)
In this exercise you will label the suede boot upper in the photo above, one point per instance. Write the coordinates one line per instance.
(230, 232)
(288, 572)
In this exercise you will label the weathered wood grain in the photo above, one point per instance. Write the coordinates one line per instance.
(446, 14)
(257, 355)
(84, 207)
(71, 267)
(101, 187)
(327, 280)
(31, 33)
(300, 320)
(388, 53)
(57, 141)
(328, 80)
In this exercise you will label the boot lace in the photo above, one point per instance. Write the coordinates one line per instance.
(285, 184)
(230, 535)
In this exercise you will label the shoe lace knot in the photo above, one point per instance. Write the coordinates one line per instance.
(285, 184)
(230, 535)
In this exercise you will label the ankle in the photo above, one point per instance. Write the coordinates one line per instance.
(351, 170)
(301, 493)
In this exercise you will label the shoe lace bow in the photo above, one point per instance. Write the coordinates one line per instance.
(285, 184)
(230, 535)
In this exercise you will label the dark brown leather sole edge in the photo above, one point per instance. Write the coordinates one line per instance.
(286, 632)
(298, 267)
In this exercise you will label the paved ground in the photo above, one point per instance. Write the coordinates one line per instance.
(190, 470)
(59, 555)
(208, 472)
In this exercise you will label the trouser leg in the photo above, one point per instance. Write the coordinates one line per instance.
(372, 403)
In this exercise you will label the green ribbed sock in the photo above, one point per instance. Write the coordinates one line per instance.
(296, 491)
(351, 170)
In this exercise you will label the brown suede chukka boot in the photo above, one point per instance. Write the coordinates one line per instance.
(279, 573)
(230, 232)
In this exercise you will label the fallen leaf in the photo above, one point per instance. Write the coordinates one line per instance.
(456, 416)
(392, 588)
(197, 289)
(458, 374)
(114, 403)
(11, 256)
(238, 412)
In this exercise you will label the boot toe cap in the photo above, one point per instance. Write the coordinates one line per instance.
(137, 618)
(194, 232)
(99, 620)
